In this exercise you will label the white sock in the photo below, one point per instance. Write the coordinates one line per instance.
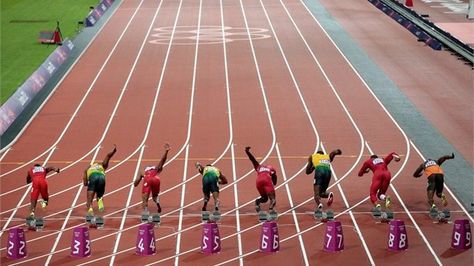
(382, 197)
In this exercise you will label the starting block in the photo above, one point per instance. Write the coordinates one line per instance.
(152, 219)
(205, 216)
(386, 216)
(215, 216)
(95, 221)
(324, 216)
(443, 216)
(35, 223)
(210, 217)
(263, 216)
(382, 216)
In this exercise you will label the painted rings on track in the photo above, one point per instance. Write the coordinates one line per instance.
(187, 35)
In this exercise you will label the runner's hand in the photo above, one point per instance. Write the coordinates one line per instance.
(167, 146)
(396, 157)
(247, 148)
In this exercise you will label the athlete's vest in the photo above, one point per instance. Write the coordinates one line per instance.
(431, 167)
(211, 170)
(321, 160)
(150, 171)
(37, 172)
(95, 168)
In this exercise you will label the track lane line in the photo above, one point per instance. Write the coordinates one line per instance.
(295, 218)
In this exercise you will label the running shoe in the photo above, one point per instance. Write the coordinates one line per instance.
(388, 202)
(43, 204)
(433, 211)
(90, 212)
(32, 214)
(444, 200)
(330, 199)
(377, 206)
(320, 206)
(100, 203)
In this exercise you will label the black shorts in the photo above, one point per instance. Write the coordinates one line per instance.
(209, 185)
(435, 183)
(97, 184)
(322, 176)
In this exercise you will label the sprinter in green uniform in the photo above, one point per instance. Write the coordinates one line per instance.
(211, 176)
(94, 179)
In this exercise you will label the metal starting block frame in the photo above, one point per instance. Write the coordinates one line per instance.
(152, 219)
(95, 221)
(324, 216)
(263, 216)
(207, 216)
(443, 216)
(35, 223)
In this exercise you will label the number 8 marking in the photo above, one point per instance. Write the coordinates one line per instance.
(402, 243)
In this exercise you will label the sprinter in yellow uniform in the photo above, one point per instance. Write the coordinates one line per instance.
(320, 163)
(94, 179)
(211, 177)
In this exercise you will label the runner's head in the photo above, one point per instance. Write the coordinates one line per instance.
(373, 156)
(320, 152)
(37, 164)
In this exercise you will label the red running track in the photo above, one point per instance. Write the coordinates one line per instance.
(161, 71)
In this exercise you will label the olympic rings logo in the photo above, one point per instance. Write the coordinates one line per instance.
(188, 35)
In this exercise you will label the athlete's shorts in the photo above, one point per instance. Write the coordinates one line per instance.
(97, 184)
(322, 176)
(435, 183)
(39, 186)
(209, 185)
(151, 185)
(264, 186)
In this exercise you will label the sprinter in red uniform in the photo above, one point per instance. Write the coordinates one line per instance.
(37, 175)
(381, 177)
(266, 180)
(151, 183)
(435, 174)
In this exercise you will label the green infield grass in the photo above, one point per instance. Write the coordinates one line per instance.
(21, 22)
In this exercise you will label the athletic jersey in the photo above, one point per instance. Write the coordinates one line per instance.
(321, 160)
(150, 172)
(95, 168)
(211, 171)
(265, 171)
(37, 172)
(430, 167)
(376, 164)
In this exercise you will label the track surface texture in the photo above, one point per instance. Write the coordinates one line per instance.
(212, 77)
